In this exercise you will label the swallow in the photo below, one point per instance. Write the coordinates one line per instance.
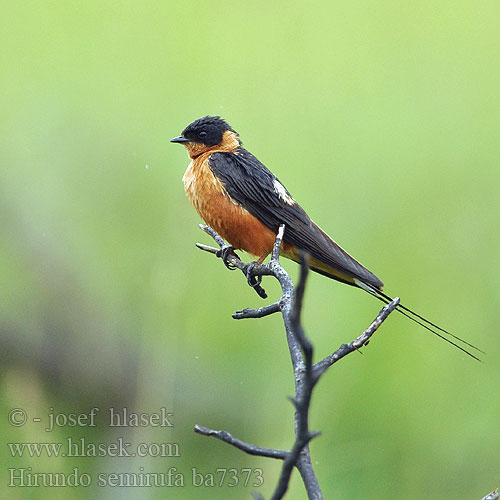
(243, 201)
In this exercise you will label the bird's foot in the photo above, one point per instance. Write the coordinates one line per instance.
(253, 281)
(224, 253)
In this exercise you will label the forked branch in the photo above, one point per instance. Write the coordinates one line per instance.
(306, 373)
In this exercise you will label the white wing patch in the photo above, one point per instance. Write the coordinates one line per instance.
(233, 201)
(280, 190)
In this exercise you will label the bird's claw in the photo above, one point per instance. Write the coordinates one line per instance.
(253, 281)
(224, 253)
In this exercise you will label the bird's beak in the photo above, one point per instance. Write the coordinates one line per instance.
(179, 139)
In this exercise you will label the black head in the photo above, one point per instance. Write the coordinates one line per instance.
(207, 130)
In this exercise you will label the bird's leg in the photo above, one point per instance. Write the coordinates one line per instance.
(263, 258)
(254, 281)
(224, 253)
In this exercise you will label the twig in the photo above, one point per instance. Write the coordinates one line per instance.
(246, 447)
(257, 496)
(492, 496)
(321, 366)
(257, 313)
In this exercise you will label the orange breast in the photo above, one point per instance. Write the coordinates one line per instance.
(235, 224)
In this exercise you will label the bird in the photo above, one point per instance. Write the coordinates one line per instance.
(245, 203)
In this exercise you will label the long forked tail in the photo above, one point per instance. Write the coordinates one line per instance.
(425, 323)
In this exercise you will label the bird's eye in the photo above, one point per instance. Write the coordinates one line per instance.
(202, 134)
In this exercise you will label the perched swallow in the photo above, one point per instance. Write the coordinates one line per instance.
(236, 195)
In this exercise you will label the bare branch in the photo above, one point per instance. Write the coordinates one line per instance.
(492, 496)
(277, 243)
(257, 496)
(213, 234)
(207, 248)
(257, 313)
(306, 373)
(321, 366)
(295, 316)
(246, 447)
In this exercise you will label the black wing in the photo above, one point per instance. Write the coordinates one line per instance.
(255, 188)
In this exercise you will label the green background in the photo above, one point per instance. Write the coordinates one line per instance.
(381, 118)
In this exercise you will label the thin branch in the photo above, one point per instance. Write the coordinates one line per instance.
(492, 496)
(213, 234)
(295, 316)
(257, 313)
(257, 496)
(321, 366)
(277, 243)
(246, 447)
(206, 248)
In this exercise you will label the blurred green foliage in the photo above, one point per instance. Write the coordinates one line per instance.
(382, 118)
